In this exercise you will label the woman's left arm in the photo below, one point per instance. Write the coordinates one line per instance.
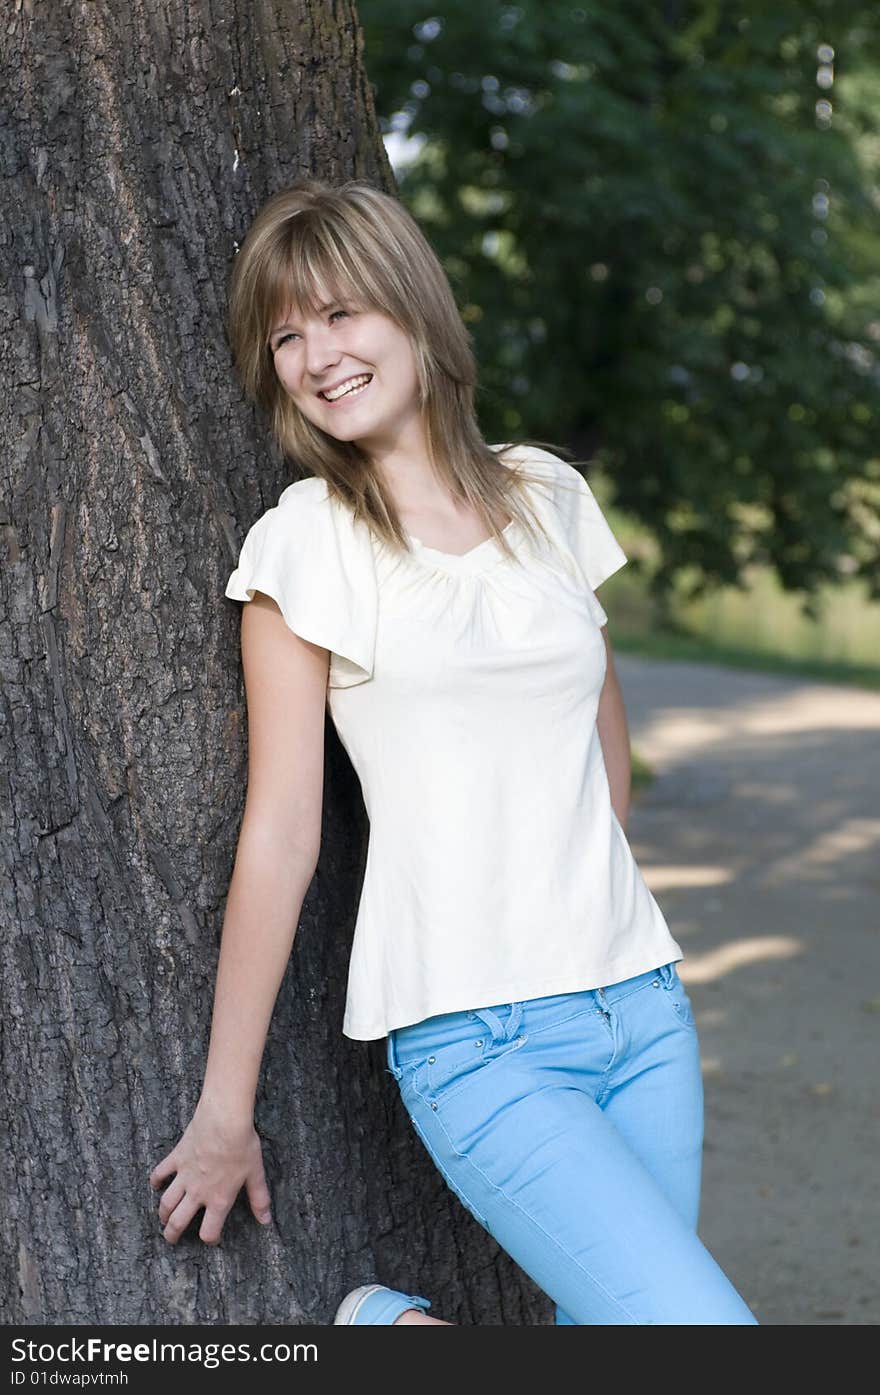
(614, 736)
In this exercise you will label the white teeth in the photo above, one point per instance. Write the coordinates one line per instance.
(351, 385)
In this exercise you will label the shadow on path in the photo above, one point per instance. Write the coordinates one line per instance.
(759, 838)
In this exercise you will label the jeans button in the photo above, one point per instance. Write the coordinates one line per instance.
(479, 1041)
(431, 1060)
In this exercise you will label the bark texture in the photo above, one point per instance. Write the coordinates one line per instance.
(136, 142)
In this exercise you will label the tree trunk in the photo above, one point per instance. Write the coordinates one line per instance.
(137, 143)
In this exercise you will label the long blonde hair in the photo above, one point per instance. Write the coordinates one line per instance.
(364, 246)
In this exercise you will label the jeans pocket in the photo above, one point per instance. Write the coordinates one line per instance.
(449, 1069)
(673, 992)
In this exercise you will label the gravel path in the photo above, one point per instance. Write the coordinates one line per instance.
(760, 841)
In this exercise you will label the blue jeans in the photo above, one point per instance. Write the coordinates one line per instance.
(571, 1127)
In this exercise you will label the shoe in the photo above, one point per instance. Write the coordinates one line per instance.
(375, 1304)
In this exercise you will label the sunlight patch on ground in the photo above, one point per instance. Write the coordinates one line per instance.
(684, 878)
(825, 850)
(716, 963)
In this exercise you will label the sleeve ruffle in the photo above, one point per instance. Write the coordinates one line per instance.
(317, 565)
(573, 516)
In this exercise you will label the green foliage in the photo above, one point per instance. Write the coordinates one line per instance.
(666, 254)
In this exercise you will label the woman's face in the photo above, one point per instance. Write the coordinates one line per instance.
(336, 351)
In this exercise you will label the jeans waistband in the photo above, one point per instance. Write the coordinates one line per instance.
(504, 1020)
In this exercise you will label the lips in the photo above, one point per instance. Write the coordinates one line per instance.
(351, 391)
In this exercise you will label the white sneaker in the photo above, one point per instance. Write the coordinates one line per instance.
(376, 1305)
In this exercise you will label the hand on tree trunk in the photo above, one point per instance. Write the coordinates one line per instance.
(215, 1157)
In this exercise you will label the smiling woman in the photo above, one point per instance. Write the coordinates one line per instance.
(506, 945)
(284, 335)
(330, 360)
(365, 365)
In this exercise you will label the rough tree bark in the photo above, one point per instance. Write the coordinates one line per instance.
(136, 142)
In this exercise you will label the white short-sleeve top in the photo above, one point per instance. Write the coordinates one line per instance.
(465, 690)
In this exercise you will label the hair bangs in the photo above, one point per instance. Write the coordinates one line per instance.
(312, 268)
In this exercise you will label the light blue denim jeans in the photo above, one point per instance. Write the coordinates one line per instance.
(571, 1127)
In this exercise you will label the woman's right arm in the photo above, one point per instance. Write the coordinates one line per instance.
(277, 853)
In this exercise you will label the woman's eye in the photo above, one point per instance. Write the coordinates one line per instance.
(291, 334)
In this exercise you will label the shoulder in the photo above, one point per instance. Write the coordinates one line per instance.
(305, 502)
(536, 460)
(570, 511)
(308, 493)
(306, 553)
(305, 516)
(559, 483)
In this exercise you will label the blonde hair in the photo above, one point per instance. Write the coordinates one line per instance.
(362, 245)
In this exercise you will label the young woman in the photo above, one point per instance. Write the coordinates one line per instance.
(437, 594)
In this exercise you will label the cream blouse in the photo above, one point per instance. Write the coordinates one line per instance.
(465, 691)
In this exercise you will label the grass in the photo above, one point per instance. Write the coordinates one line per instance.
(642, 774)
(697, 648)
(759, 627)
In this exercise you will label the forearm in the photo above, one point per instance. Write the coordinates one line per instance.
(614, 736)
(266, 892)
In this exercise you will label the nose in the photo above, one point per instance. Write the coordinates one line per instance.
(321, 353)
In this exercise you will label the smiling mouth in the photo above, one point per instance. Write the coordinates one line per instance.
(359, 381)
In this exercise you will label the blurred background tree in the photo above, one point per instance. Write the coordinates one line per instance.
(661, 224)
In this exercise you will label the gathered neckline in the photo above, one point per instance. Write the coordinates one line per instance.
(462, 561)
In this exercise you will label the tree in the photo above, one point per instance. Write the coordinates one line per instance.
(661, 221)
(138, 140)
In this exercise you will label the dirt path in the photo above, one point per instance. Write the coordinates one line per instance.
(760, 841)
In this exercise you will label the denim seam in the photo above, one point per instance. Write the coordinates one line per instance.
(581, 1012)
(687, 1021)
(604, 1085)
(509, 1201)
(485, 1063)
(560, 1021)
(448, 1180)
(412, 1066)
(623, 996)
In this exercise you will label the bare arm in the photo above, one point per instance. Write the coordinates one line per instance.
(278, 845)
(614, 736)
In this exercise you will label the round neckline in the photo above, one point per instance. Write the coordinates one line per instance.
(471, 560)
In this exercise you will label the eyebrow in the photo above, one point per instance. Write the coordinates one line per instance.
(321, 309)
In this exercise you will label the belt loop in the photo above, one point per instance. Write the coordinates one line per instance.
(493, 1022)
(391, 1057)
(665, 973)
(513, 1020)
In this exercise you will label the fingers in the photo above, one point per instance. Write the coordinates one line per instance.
(209, 1179)
(211, 1228)
(163, 1169)
(171, 1198)
(258, 1193)
(180, 1218)
(176, 1210)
